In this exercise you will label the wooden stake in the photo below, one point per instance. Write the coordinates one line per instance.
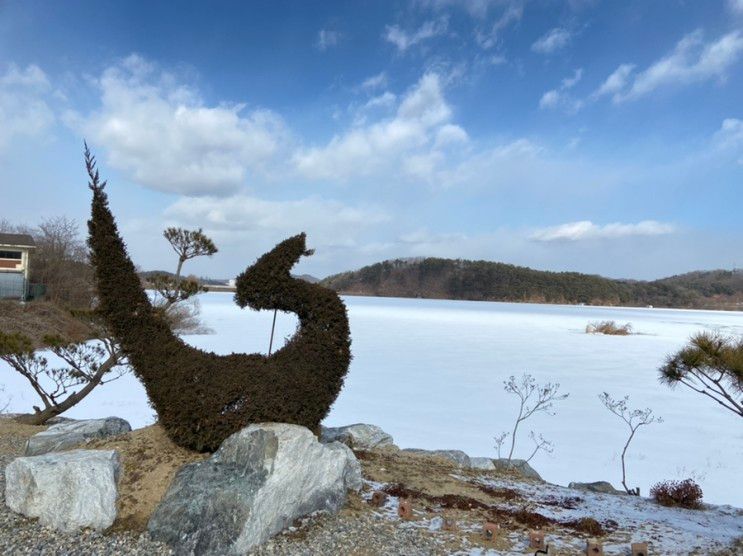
(273, 326)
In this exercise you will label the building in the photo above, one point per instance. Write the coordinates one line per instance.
(15, 255)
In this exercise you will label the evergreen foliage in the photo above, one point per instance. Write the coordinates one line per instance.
(711, 365)
(200, 397)
(492, 281)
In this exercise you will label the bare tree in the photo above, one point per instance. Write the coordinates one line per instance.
(60, 262)
(499, 441)
(712, 365)
(539, 444)
(533, 398)
(635, 419)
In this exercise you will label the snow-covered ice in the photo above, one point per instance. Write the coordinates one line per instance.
(431, 373)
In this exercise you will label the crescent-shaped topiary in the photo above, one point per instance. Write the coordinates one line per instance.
(201, 397)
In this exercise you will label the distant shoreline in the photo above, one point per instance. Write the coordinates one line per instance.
(229, 289)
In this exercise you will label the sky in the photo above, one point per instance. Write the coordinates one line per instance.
(597, 136)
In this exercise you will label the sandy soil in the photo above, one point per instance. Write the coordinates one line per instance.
(149, 460)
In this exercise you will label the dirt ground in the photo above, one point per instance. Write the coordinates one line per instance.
(149, 461)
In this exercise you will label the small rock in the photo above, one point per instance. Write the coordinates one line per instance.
(518, 465)
(66, 491)
(604, 487)
(436, 523)
(482, 463)
(456, 456)
(259, 482)
(70, 434)
(357, 437)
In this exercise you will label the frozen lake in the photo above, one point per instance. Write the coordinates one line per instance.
(431, 374)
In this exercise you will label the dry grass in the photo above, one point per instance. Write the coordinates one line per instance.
(609, 327)
(149, 460)
(40, 318)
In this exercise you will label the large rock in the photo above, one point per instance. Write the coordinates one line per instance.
(598, 486)
(358, 437)
(484, 464)
(518, 465)
(457, 456)
(66, 491)
(260, 480)
(71, 434)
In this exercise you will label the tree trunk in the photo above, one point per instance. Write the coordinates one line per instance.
(41, 417)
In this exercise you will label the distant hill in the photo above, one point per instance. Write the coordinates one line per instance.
(491, 281)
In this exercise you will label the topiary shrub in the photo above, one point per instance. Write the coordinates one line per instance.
(686, 494)
(200, 397)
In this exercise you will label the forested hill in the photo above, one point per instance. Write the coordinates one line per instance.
(491, 281)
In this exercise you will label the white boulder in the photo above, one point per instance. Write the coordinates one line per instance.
(260, 480)
(358, 437)
(67, 490)
(70, 434)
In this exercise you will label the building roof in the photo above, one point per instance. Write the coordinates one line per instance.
(17, 240)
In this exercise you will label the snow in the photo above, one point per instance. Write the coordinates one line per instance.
(431, 373)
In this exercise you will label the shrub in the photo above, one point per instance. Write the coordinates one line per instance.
(686, 494)
(609, 327)
(200, 397)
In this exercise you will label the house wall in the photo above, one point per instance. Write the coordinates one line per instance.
(15, 265)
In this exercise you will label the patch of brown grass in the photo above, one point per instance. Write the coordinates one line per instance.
(609, 328)
(586, 525)
(149, 460)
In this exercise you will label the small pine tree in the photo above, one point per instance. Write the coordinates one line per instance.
(711, 365)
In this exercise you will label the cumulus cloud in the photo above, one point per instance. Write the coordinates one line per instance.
(585, 229)
(692, 60)
(327, 222)
(162, 134)
(403, 40)
(555, 39)
(327, 39)
(410, 141)
(24, 107)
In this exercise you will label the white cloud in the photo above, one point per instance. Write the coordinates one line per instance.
(729, 138)
(163, 136)
(328, 223)
(326, 39)
(735, 6)
(585, 229)
(560, 97)
(553, 40)
(550, 99)
(616, 82)
(411, 141)
(385, 100)
(513, 11)
(403, 39)
(691, 61)
(375, 81)
(24, 108)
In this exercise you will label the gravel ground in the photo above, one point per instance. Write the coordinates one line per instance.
(19, 535)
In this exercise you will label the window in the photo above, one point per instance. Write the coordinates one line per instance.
(10, 255)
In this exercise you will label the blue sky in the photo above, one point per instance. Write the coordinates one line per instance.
(603, 137)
